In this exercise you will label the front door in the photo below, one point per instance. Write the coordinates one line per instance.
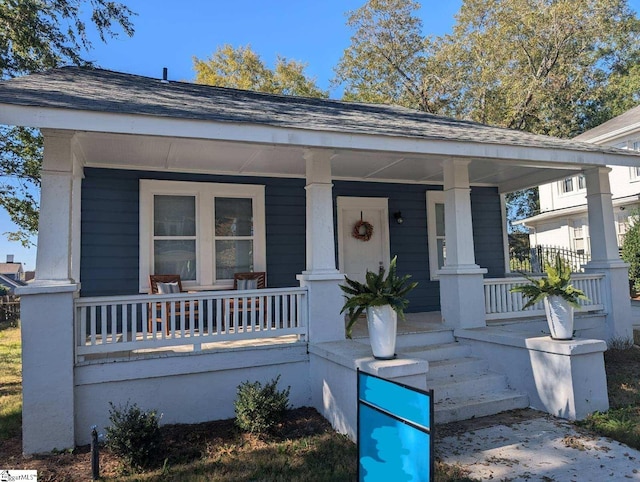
(356, 256)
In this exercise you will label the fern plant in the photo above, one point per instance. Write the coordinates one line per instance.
(377, 290)
(557, 282)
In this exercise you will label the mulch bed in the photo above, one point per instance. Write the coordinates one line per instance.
(185, 443)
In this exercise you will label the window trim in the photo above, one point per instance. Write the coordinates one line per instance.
(433, 198)
(205, 194)
(575, 185)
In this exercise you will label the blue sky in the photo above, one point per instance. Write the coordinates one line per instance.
(170, 33)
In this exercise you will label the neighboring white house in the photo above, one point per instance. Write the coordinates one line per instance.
(143, 176)
(563, 219)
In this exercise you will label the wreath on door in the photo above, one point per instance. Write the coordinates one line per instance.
(362, 230)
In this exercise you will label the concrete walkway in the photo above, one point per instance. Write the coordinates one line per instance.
(528, 445)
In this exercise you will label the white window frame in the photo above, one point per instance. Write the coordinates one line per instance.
(580, 231)
(433, 198)
(575, 185)
(205, 194)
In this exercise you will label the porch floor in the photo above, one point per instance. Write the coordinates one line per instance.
(413, 323)
(187, 349)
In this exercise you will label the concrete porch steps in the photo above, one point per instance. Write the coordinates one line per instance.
(463, 386)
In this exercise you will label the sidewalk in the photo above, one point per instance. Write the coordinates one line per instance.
(526, 445)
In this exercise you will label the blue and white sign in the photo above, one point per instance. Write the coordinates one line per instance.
(394, 431)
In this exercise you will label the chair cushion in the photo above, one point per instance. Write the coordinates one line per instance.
(168, 288)
(247, 284)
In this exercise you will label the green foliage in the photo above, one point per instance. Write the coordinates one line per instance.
(20, 163)
(377, 290)
(36, 35)
(546, 67)
(259, 409)
(621, 424)
(134, 435)
(631, 254)
(242, 68)
(4, 290)
(557, 282)
(385, 62)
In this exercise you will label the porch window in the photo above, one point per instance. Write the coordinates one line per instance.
(205, 232)
(436, 232)
(174, 235)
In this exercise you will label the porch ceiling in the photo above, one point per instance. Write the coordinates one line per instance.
(241, 158)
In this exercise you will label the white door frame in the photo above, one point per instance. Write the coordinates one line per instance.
(354, 202)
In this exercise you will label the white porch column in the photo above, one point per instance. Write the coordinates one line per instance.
(461, 279)
(604, 254)
(47, 318)
(321, 276)
(58, 256)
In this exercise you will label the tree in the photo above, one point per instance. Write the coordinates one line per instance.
(555, 67)
(242, 68)
(36, 35)
(631, 253)
(385, 62)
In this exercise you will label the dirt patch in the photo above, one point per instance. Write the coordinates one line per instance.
(505, 418)
(185, 443)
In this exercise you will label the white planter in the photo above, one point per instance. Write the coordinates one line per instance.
(383, 324)
(560, 317)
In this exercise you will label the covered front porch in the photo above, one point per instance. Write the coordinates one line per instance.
(117, 159)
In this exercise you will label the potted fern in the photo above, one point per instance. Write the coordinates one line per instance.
(384, 299)
(559, 295)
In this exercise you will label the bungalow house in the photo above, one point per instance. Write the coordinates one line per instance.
(563, 218)
(145, 176)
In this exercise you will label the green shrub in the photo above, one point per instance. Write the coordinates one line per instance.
(134, 435)
(631, 254)
(259, 409)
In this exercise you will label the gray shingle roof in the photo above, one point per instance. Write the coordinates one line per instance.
(630, 117)
(106, 91)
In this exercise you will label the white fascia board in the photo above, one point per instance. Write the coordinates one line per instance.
(613, 135)
(90, 121)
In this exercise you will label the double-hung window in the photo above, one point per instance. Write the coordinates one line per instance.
(205, 232)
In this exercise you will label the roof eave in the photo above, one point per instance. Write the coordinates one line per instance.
(91, 121)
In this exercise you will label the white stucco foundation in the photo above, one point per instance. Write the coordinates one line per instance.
(333, 377)
(564, 378)
(187, 387)
(47, 367)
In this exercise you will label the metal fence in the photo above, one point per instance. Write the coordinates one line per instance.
(9, 308)
(532, 260)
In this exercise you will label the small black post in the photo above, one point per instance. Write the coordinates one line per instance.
(95, 454)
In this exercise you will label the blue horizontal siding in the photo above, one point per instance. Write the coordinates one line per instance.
(110, 229)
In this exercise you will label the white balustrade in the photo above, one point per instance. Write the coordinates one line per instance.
(125, 323)
(501, 303)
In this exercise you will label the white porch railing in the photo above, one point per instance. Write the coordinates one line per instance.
(500, 303)
(123, 323)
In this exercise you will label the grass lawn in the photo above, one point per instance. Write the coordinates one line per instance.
(622, 421)
(10, 382)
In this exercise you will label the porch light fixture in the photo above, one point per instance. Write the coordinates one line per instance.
(398, 217)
